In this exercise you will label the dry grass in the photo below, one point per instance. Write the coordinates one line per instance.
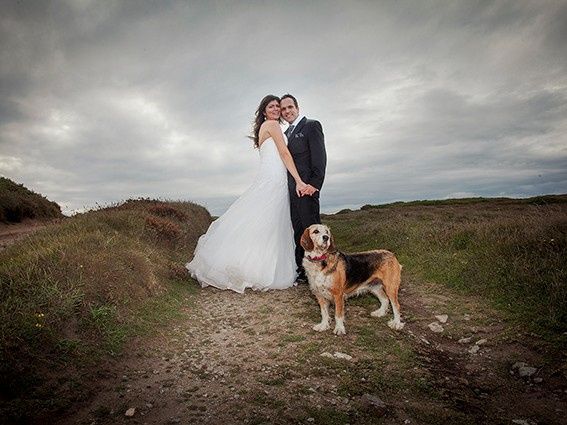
(513, 252)
(18, 203)
(74, 291)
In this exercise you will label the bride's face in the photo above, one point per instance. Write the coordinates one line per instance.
(272, 111)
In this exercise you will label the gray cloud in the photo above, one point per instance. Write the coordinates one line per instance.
(104, 101)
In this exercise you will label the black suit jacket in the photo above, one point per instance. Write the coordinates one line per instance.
(307, 147)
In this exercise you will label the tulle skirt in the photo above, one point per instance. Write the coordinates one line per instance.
(251, 245)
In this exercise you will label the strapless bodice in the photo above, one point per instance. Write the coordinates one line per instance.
(271, 164)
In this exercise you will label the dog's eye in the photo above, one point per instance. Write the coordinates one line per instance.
(315, 231)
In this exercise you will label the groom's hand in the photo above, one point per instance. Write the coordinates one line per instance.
(309, 190)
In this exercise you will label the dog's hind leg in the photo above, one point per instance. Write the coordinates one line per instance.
(378, 291)
(391, 287)
(324, 325)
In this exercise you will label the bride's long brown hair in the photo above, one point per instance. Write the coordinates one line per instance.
(259, 118)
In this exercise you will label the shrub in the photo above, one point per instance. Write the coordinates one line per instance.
(18, 203)
(162, 228)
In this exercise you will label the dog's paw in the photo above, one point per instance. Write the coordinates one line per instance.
(379, 312)
(321, 327)
(339, 330)
(396, 324)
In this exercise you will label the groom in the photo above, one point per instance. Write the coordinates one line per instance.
(306, 144)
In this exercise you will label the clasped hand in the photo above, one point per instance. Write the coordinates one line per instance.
(303, 189)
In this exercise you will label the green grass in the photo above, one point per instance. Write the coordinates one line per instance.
(511, 252)
(74, 293)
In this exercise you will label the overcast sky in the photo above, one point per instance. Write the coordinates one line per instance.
(101, 101)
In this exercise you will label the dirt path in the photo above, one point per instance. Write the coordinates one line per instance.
(10, 233)
(254, 358)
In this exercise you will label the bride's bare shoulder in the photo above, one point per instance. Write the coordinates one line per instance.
(270, 125)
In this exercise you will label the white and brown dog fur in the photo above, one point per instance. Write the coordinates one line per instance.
(334, 276)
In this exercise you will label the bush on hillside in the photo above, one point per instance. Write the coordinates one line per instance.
(18, 203)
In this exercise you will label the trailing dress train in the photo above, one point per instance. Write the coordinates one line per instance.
(251, 245)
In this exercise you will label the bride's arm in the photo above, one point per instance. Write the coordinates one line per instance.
(274, 130)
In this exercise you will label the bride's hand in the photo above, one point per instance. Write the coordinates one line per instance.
(300, 187)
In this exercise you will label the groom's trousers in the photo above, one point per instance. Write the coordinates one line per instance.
(304, 213)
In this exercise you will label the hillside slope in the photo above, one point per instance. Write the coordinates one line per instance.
(74, 292)
(18, 203)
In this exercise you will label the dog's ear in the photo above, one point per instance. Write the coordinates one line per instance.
(306, 241)
(332, 247)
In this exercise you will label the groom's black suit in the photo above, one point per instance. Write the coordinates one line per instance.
(306, 143)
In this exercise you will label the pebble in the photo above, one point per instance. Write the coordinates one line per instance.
(465, 340)
(130, 412)
(374, 404)
(526, 371)
(342, 356)
(481, 341)
(337, 355)
(442, 318)
(435, 327)
(474, 349)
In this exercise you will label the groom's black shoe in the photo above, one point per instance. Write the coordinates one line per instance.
(301, 278)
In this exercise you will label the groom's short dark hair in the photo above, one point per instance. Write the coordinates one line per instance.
(291, 97)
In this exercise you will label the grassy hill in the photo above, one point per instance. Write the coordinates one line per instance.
(511, 251)
(18, 203)
(74, 292)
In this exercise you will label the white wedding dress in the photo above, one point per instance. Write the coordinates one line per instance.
(251, 244)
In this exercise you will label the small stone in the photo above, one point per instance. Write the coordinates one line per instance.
(310, 419)
(481, 341)
(474, 349)
(538, 380)
(526, 371)
(130, 412)
(373, 404)
(442, 318)
(342, 356)
(325, 354)
(435, 327)
(467, 317)
(465, 340)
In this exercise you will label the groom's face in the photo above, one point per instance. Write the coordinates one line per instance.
(288, 110)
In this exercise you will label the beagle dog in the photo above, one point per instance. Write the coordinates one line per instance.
(334, 276)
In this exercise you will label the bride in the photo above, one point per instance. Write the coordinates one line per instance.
(251, 245)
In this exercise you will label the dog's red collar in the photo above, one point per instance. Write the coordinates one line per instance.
(320, 258)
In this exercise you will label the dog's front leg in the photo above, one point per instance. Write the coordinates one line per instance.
(324, 325)
(339, 315)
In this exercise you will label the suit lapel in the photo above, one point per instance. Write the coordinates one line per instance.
(297, 128)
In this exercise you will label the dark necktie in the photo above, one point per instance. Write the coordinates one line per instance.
(289, 130)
